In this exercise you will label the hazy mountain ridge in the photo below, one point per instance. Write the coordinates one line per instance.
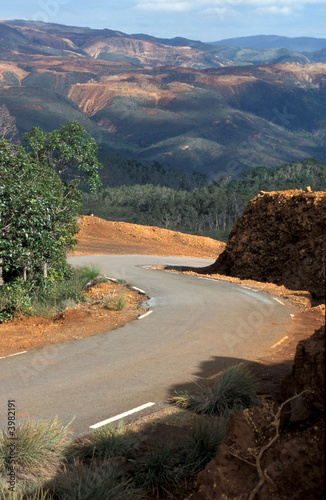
(297, 44)
(114, 45)
(150, 101)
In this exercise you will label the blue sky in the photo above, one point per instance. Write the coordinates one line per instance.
(206, 20)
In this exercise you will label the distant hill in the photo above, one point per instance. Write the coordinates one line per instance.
(298, 44)
(215, 109)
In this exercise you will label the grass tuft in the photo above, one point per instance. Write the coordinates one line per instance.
(234, 390)
(39, 451)
(202, 443)
(158, 468)
(110, 442)
(115, 303)
(87, 273)
(39, 455)
(23, 493)
(94, 482)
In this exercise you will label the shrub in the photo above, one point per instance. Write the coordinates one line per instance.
(46, 297)
(15, 300)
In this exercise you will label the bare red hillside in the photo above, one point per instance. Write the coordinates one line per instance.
(99, 236)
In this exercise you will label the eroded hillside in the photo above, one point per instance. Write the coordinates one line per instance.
(184, 105)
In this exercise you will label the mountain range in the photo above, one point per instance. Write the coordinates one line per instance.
(218, 109)
(265, 42)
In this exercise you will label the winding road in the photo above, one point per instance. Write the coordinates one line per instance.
(196, 327)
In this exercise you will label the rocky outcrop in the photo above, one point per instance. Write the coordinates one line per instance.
(308, 374)
(279, 238)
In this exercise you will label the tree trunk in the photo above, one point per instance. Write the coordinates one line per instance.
(1, 279)
(45, 269)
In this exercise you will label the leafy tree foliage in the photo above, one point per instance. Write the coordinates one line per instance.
(65, 151)
(38, 211)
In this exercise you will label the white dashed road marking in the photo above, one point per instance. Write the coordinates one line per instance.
(279, 342)
(10, 355)
(144, 315)
(278, 300)
(122, 415)
(138, 290)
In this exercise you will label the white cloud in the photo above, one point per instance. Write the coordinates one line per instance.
(159, 5)
(221, 12)
(274, 10)
(222, 6)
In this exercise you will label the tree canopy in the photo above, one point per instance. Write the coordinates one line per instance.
(209, 210)
(38, 210)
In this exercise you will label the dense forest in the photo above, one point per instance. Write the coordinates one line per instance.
(121, 171)
(208, 210)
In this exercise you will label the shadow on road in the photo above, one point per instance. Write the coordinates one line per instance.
(268, 376)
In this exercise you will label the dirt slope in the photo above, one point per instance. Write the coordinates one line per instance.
(98, 236)
(279, 238)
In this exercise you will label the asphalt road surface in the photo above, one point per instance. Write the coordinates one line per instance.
(196, 327)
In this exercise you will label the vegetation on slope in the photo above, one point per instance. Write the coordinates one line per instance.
(38, 213)
(206, 210)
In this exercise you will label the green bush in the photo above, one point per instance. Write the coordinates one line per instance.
(48, 296)
(15, 300)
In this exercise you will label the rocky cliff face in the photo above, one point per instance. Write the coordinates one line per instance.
(279, 238)
(308, 374)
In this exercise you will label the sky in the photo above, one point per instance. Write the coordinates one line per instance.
(205, 20)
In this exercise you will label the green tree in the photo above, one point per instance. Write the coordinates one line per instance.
(67, 151)
(38, 210)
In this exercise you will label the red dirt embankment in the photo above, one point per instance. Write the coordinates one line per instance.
(271, 454)
(279, 238)
(99, 236)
